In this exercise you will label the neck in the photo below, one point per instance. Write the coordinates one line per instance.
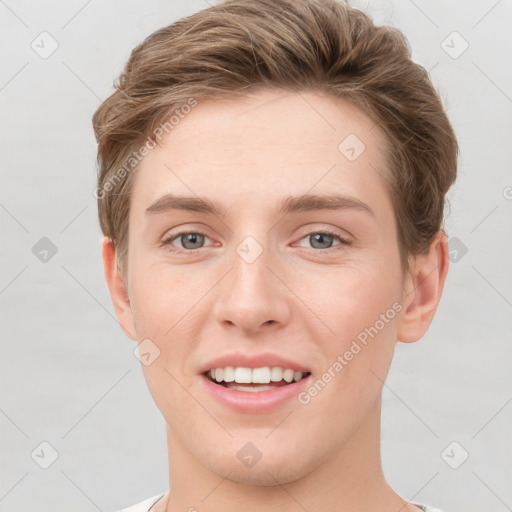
(350, 480)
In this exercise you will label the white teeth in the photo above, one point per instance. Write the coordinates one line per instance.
(288, 375)
(263, 375)
(229, 374)
(251, 389)
(276, 374)
(243, 375)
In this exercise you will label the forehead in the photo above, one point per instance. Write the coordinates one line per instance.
(266, 146)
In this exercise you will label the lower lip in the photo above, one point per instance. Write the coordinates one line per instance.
(257, 401)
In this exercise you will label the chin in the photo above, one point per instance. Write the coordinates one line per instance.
(266, 475)
(275, 466)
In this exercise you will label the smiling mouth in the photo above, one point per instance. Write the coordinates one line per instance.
(254, 379)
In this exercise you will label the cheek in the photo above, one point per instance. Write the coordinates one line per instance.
(160, 296)
(360, 308)
(348, 299)
(167, 309)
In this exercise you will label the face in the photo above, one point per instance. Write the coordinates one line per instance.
(278, 249)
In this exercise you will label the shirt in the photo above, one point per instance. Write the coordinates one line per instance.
(146, 505)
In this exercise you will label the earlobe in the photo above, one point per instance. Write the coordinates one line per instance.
(117, 289)
(423, 291)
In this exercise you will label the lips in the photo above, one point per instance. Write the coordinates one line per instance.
(257, 383)
(254, 398)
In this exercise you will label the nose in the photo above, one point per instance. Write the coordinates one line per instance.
(251, 297)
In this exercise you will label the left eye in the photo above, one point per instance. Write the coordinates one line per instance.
(323, 240)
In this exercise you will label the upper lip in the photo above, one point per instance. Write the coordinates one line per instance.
(252, 361)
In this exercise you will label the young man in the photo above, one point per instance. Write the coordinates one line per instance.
(271, 191)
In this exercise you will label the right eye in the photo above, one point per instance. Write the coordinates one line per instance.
(189, 241)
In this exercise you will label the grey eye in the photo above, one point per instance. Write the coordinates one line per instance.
(192, 240)
(324, 240)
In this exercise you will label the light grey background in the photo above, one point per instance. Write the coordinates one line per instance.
(68, 375)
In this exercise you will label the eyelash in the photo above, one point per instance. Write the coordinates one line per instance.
(343, 242)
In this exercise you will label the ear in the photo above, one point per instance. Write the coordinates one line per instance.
(117, 289)
(423, 289)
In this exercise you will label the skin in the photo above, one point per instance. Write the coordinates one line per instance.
(248, 155)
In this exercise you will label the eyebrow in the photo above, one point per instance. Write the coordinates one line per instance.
(304, 203)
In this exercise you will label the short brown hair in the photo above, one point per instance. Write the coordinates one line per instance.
(241, 46)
